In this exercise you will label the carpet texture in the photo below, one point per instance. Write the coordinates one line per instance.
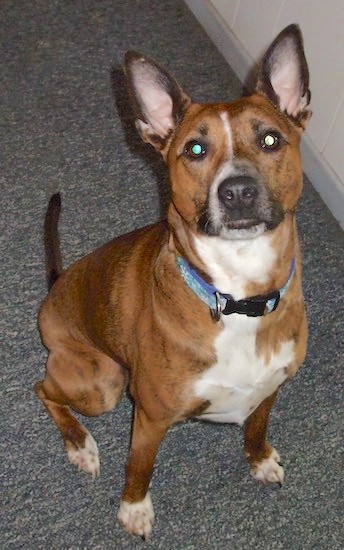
(66, 126)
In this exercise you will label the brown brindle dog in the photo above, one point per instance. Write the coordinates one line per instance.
(203, 313)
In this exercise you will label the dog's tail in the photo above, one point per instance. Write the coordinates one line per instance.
(53, 260)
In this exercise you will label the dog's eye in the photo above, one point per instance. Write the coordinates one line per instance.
(194, 150)
(270, 141)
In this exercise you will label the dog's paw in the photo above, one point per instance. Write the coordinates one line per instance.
(269, 470)
(137, 517)
(85, 458)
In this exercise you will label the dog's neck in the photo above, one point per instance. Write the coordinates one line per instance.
(242, 267)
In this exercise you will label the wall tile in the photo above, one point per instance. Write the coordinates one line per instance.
(255, 23)
(226, 9)
(334, 148)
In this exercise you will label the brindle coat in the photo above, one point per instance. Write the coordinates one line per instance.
(123, 312)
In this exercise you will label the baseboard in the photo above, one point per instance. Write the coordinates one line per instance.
(324, 179)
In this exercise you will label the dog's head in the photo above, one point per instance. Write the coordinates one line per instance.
(235, 168)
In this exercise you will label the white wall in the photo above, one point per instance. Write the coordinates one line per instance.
(242, 29)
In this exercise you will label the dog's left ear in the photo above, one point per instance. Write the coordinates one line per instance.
(158, 100)
(284, 76)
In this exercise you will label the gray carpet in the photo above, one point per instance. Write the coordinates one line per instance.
(66, 126)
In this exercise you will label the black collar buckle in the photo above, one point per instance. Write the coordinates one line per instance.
(252, 307)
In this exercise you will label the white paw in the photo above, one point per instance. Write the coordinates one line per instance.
(85, 458)
(137, 517)
(269, 470)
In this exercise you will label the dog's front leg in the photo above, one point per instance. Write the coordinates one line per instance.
(263, 458)
(136, 510)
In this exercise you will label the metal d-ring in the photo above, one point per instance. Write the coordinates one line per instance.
(216, 312)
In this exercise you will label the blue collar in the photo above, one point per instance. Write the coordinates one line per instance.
(224, 303)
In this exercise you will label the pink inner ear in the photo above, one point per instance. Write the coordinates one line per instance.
(157, 108)
(286, 83)
(155, 102)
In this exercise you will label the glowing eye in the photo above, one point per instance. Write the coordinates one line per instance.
(270, 141)
(195, 150)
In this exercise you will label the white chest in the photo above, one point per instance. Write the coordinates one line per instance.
(240, 379)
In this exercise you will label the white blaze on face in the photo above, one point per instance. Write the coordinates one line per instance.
(228, 132)
(225, 170)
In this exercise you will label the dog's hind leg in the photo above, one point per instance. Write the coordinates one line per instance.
(88, 382)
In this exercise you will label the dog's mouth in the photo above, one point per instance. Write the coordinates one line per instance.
(223, 226)
(243, 229)
(245, 223)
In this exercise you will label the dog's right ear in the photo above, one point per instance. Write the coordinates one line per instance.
(158, 100)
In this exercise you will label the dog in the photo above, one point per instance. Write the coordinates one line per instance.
(201, 315)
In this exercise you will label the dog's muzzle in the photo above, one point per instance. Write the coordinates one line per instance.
(241, 204)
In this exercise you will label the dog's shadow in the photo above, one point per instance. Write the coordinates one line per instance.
(133, 140)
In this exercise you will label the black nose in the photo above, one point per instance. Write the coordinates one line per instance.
(239, 196)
